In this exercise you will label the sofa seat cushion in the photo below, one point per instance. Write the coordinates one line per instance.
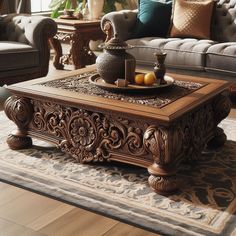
(221, 57)
(15, 55)
(186, 53)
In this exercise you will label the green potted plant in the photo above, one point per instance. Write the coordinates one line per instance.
(60, 5)
(109, 5)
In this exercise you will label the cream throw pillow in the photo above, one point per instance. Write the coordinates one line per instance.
(192, 19)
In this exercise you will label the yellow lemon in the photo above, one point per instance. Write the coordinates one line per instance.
(139, 78)
(149, 79)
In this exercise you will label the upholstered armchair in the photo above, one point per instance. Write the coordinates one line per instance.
(24, 48)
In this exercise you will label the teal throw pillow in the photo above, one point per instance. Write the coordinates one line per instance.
(153, 18)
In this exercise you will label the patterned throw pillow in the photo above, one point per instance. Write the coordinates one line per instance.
(192, 18)
(153, 18)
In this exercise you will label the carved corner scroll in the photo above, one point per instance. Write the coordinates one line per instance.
(222, 107)
(20, 111)
(155, 140)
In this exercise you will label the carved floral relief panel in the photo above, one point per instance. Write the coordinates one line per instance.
(89, 136)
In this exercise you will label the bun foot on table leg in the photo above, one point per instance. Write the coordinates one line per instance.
(17, 142)
(162, 181)
(163, 185)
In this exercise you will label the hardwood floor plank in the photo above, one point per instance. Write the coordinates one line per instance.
(122, 229)
(50, 217)
(79, 222)
(8, 193)
(8, 228)
(27, 208)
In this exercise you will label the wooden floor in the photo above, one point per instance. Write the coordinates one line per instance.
(26, 213)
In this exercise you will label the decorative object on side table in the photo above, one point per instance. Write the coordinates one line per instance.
(95, 8)
(160, 68)
(80, 7)
(61, 5)
(111, 63)
(68, 14)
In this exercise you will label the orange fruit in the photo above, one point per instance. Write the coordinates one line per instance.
(149, 79)
(139, 78)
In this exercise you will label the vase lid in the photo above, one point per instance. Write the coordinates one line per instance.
(116, 44)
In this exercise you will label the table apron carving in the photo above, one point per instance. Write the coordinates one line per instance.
(90, 136)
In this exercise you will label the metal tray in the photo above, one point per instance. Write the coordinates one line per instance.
(98, 81)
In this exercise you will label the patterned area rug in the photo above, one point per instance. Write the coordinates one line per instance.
(206, 204)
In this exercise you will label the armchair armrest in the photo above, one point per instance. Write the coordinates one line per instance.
(120, 23)
(32, 30)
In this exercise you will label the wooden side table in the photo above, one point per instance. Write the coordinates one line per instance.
(78, 33)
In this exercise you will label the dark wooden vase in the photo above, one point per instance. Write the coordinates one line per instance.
(111, 63)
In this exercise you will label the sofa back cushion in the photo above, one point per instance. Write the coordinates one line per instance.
(192, 19)
(153, 18)
(224, 23)
(12, 28)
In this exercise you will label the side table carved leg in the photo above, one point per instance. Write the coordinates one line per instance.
(20, 111)
(81, 54)
(77, 51)
(56, 45)
(221, 106)
(162, 174)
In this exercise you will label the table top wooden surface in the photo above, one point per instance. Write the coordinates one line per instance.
(175, 109)
(77, 23)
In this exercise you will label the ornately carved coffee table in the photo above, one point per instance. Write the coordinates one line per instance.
(93, 125)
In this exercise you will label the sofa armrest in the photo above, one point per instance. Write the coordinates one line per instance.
(32, 30)
(121, 23)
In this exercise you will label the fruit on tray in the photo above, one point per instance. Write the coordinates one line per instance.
(139, 79)
(147, 79)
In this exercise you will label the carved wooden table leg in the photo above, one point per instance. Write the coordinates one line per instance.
(221, 106)
(76, 51)
(162, 172)
(56, 45)
(20, 111)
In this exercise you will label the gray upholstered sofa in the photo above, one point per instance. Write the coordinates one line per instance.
(217, 56)
(24, 50)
